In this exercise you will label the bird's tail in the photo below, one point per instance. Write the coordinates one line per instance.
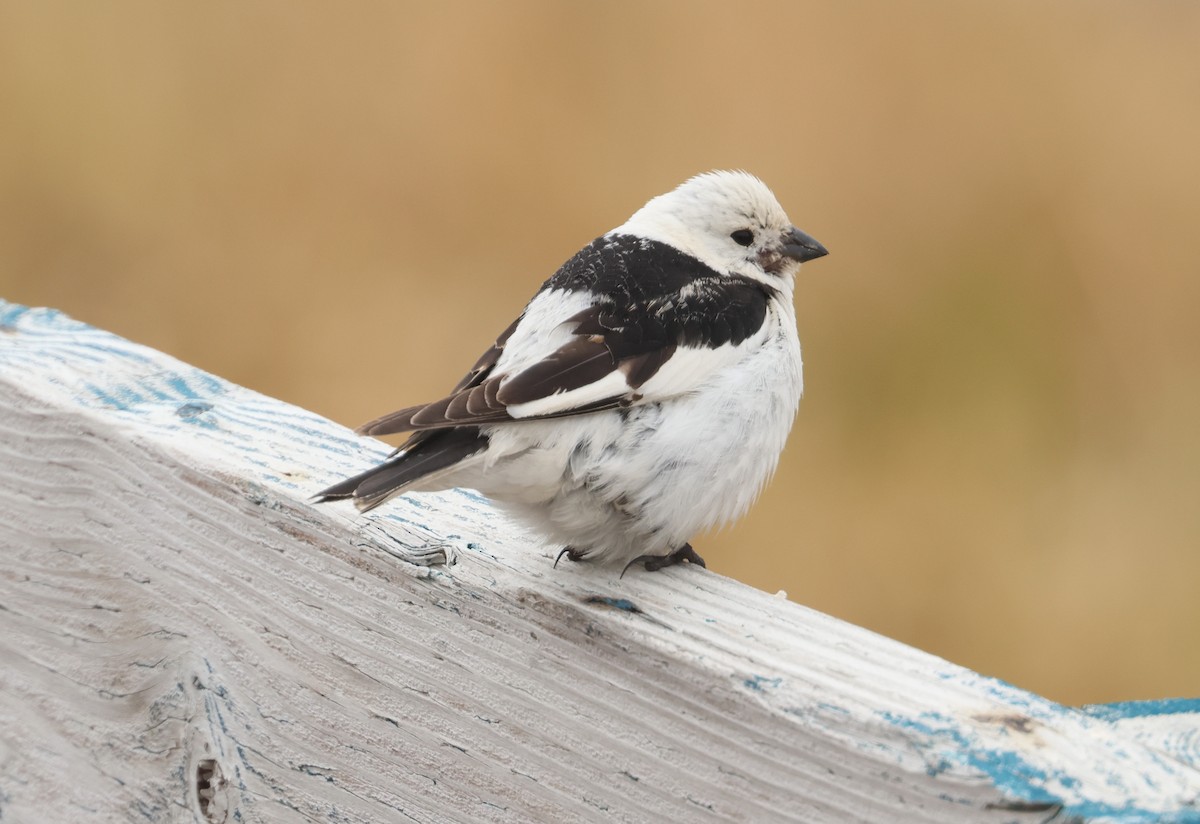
(425, 453)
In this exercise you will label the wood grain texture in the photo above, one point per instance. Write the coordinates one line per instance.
(183, 637)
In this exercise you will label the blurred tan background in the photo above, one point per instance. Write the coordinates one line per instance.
(998, 455)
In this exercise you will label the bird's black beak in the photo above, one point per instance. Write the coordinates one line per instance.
(802, 247)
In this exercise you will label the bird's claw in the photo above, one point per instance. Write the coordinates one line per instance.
(572, 554)
(653, 563)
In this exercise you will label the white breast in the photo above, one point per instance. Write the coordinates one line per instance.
(720, 445)
(645, 480)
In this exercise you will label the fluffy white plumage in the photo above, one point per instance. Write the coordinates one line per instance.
(644, 394)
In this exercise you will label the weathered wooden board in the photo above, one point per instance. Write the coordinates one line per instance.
(184, 637)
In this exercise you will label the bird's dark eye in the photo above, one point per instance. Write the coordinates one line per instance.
(743, 237)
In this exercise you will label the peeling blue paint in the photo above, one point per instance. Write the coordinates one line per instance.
(1143, 709)
(945, 743)
(10, 314)
(623, 604)
(182, 387)
(761, 683)
(944, 734)
(472, 495)
(35, 317)
(193, 409)
(121, 398)
(833, 708)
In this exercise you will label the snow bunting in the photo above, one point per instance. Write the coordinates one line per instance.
(644, 394)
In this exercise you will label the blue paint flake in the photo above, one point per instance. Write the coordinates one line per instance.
(190, 410)
(1143, 709)
(10, 314)
(761, 683)
(182, 387)
(623, 604)
(832, 708)
(121, 398)
(472, 495)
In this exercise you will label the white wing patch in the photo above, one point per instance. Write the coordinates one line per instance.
(612, 385)
(689, 369)
(541, 331)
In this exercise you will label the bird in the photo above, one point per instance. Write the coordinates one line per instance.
(644, 394)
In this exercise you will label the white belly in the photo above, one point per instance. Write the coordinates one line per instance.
(616, 485)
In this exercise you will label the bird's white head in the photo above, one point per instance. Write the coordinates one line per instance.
(730, 221)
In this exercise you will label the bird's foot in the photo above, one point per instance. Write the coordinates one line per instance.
(654, 563)
(572, 554)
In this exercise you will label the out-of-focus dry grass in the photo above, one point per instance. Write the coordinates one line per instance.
(998, 458)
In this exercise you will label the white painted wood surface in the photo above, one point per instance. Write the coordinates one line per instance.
(183, 637)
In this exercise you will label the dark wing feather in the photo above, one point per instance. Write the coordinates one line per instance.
(640, 368)
(487, 361)
(401, 420)
(578, 363)
(602, 344)
(425, 453)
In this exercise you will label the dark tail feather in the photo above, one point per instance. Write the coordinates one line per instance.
(423, 455)
(392, 423)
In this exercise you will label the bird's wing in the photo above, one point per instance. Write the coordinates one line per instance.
(399, 421)
(604, 356)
